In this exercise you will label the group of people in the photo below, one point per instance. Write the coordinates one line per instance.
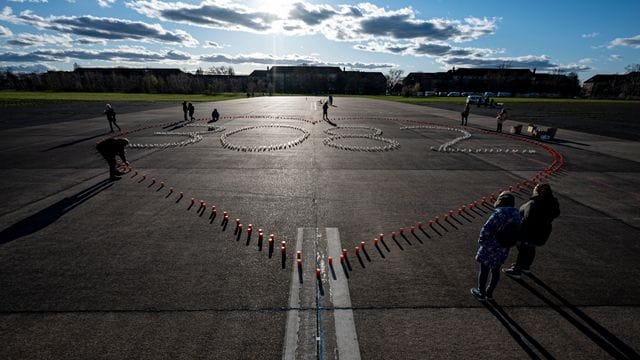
(532, 224)
(501, 117)
(189, 109)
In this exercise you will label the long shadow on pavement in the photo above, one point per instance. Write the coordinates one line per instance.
(517, 332)
(617, 348)
(49, 215)
(601, 330)
(75, 142)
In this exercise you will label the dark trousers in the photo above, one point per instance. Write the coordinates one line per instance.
(526, 254)
(113, 121)
(499, 129)
(111, 160)
(483, 276)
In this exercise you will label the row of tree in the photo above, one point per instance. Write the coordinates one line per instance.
(214, 80)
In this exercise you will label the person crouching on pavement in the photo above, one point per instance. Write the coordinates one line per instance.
(109, 148)
(491, 255)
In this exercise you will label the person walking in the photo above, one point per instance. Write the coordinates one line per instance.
(191, 111)
(501, 118)
(185, 109)
(465, 114)
(111, 117)
(537, 215)
(491, 253)
(109, 148)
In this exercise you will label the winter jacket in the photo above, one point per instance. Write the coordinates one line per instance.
(111, 147)
(490, 253)
(537, 215)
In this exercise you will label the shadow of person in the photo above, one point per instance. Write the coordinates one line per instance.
(50, 214)
(75, 142)
(623, 353)
(517, 332)
(601, 330)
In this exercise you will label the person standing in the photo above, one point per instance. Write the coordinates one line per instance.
(185, 109)
(491, 254)
(465, 114)
(500, 118)
(191, 111)
(111, 117)
(537, 215)
(325, 111)
(109, 148)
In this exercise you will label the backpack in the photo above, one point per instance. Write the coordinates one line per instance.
(509, 234)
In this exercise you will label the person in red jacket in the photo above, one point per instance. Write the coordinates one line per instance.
(109, 148)
(537, 215)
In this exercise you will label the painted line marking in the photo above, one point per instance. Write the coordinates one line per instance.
(293, 315)
(346, 336)
(303, 340)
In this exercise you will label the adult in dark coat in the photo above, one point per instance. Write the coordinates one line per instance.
(465, 114)
(191, 111)
(537, 215)
(185, 109)
(109, 148)
(215, 116)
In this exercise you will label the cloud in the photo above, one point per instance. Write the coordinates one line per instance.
(542, 63)
(227, 16)
(91, 41)
(25, 69)
(4, 31)
(123, 54)
(358, 23)
(101, 28)
(403, 27)
(362, 66)
(259, 59)
(633, 42)
(311, 15)
(589, 35)
(142, 55)
(615, 57)
(288, 60)
(29, 1)
(106, 3)
(429, 49)
(40, 40)
(212, 44)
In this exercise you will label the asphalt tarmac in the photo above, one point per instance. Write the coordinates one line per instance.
(99, 269)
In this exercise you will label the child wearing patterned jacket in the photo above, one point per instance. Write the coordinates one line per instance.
(491, 255)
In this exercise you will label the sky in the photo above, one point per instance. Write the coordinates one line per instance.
(585, 37)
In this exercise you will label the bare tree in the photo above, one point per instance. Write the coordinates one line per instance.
(394, 77)
(221, 70)
(632, 67)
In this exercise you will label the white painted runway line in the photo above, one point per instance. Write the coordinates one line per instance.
(304, 336)
(346, 336)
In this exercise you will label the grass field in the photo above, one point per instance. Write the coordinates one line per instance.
(511, 100)
(19, 98)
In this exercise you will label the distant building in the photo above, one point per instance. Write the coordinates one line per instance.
(480, 80)
(315, 80)
(613, 86)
